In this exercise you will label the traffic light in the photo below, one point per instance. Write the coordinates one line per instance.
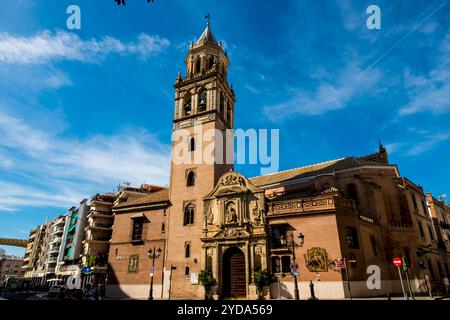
(406, 263)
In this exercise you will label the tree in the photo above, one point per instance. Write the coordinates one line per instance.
(207, 281)
(261, 279)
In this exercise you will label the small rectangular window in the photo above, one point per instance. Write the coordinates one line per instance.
(425, 210)
(163, 227)
(187, 273)
(422, 234)
(137, 229)
(352, 238)
(276, 267)
(414, 202)
(373, 243)
(286, 264)
(430, 231)
(133, 264)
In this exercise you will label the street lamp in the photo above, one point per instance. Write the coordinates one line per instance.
(153, 254)
(301, 239)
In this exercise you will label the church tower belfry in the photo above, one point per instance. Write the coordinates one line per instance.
(205, 88)
(204, 102)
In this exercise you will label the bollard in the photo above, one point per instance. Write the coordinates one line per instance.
(311, 288)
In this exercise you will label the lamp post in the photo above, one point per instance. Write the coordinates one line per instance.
(301, 239)
(153, 254)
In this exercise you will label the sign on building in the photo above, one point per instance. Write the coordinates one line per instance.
(194, 278)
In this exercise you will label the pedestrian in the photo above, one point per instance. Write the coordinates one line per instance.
(101, 291)
(446, 284)
(89, 293)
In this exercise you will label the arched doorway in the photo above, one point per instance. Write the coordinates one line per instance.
(234, 274)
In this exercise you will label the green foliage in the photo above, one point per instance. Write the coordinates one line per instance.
(206, 280)
(261, 278)
(92, 261)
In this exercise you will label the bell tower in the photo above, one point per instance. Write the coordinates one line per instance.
(204, 104)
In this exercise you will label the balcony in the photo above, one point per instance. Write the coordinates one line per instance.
(56, 240)
(53, 250)
(400, 225)
(444, 225)
(60, 222)
(57, 231)
(51, 270)
(100, 214)
(309, 205)
(99, 226)
(97, 239)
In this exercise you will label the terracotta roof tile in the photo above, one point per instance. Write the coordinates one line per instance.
(155, 197)
(312, 170)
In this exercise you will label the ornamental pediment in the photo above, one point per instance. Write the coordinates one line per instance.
(232, 183)
(232, 233)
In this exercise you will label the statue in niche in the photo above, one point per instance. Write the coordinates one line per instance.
(210, 217)
(230, 215)
(257, 213)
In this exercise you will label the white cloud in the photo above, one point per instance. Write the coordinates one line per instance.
(49, 170)
(410, 149)
(430, 91)
(252, 89)
(49, 46)
(329, 95)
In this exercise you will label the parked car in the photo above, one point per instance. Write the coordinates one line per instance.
(56, 290)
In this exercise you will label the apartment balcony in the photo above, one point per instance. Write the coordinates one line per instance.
(53, 250)
(56, 240)
(60, 222)
(52, 260)
(99, 226)
(97, 239)
(100, 214)
(57, 231)
(51, 270)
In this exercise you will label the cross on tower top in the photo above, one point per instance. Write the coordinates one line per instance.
(208, 19)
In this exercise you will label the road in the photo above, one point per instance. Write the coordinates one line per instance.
(25, 295)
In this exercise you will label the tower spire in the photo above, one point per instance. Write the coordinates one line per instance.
(207, 35)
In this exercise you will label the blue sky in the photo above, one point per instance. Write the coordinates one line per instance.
(82, 111)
